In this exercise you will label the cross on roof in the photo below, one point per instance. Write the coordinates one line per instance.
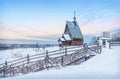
(74, 18)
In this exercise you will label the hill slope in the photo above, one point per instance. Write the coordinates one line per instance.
(103, 66)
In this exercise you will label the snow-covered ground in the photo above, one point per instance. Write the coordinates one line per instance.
(103, 66)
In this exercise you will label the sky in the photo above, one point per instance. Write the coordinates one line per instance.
(46, 19)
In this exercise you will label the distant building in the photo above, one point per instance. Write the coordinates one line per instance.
(72, 34)
(104, 39)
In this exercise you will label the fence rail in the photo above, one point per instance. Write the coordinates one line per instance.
(62, 57)
(114, 43)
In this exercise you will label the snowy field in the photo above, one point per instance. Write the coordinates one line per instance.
(13, 54)
(102, 66)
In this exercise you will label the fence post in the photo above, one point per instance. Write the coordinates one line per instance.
(65, 51)
(86, 50)
(23, 69)
(109, 45)
(85, 47)
(28, 58)
(5, 68)
(10, 71)
(62, 61)
(46, 59)
(100, 49)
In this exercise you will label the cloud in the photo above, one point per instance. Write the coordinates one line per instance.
(35, 28)
(99, 21)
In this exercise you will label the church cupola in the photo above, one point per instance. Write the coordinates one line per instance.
(74, 19)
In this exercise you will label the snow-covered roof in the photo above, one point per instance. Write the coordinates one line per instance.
(73, 29)
(67, 37)
(105, 38)
(62, 39)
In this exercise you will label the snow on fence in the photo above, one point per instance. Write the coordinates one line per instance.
(114, 43)
(56, 58)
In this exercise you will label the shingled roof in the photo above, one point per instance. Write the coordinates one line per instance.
(72, 28)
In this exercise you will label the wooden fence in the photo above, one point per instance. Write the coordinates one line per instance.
(50, 59)
(114, 43)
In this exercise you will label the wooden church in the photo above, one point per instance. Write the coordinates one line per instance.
(72, 34)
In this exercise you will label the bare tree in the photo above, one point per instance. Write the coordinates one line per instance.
(94, 40)
(115, 35)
